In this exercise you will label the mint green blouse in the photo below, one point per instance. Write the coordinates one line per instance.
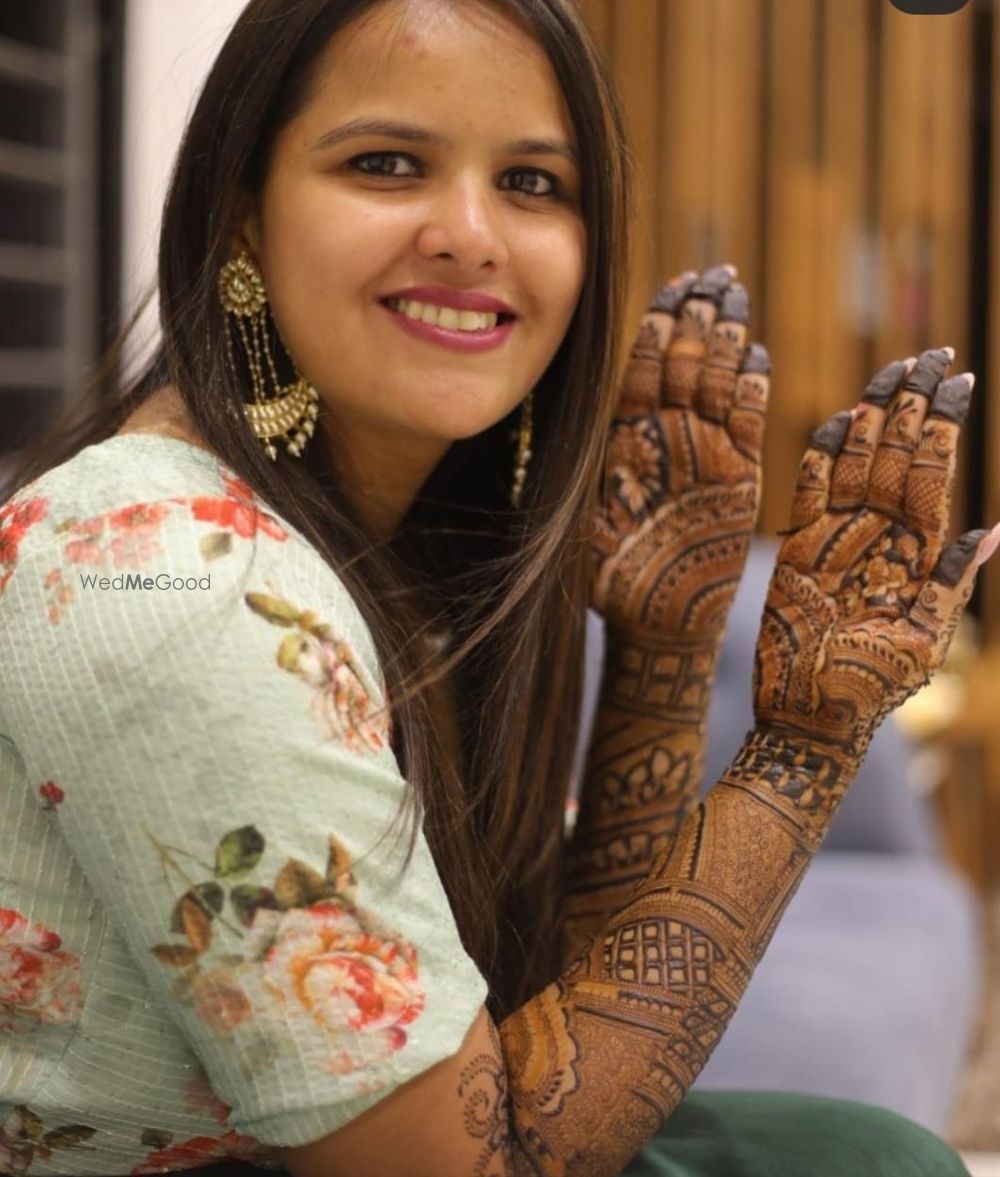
(206, 946)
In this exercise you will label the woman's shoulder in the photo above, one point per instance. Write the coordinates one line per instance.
(161, 529)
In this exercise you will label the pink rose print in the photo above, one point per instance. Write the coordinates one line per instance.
(358, 984)
(51, 794)
(38, 983)
(15, 520)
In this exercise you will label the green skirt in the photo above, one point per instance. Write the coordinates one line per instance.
(778, 1134)
(768, 1134)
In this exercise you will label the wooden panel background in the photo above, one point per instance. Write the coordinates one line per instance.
(823, 146)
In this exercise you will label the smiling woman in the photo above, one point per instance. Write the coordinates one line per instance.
(295, 590)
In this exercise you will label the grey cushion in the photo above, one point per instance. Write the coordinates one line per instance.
(868, 990)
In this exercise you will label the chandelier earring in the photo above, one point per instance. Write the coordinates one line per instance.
(522, 434)
(282, 413)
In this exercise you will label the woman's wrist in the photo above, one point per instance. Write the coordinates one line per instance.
(804, 774)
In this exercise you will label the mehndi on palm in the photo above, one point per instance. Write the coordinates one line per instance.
(682, 485)
(866, 594)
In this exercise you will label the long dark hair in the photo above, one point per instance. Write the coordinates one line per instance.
(511, 586)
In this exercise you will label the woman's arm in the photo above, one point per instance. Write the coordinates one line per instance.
(673, 531)
(861, 608)
(642, 772)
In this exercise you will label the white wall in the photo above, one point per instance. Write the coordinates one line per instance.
(169, 48)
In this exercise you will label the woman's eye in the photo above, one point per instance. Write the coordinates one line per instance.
(383, 163)
(536, 183)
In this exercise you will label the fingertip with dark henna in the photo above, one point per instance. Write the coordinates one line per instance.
(712, 283)
(735, 306)
(829, 437)
(930, 367)
(953, 399)
(954, 560)
(670, 298)
(757, 360)
(884, 383)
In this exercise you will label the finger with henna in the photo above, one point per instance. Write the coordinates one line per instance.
(943, 598)
(929, 485)
(901, 432)
(849, 483)
(686, 351)
(812, 487)
(748, 414)
(640, 390)
(724, 355)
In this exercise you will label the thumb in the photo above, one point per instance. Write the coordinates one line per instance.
(943, 599)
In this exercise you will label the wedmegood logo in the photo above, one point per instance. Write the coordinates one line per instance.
(928, 7)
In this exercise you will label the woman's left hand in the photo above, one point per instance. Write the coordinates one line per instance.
(682, 486)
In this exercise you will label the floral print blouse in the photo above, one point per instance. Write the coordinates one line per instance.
(207, 949)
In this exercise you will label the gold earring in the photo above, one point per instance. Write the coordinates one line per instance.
(523, 435)
(290, 413)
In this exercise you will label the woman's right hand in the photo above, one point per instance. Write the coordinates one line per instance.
(865, 595)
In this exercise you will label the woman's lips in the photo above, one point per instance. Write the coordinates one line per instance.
(468, 341)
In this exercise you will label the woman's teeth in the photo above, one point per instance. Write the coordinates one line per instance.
(447, 317)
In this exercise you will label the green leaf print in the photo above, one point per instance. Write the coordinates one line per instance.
(274, 609)
(68, 1136)
(218, 543)
(298, 885)
(246, 899)
(238, 852)
(155, 1138)
(31, 1126)
(208, 896)
(178, 955)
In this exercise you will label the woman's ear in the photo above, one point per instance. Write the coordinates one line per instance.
(247, 236)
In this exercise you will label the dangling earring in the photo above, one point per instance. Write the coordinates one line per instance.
(523, 436)
(290, 413)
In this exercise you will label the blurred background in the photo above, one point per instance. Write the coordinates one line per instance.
(844, 155)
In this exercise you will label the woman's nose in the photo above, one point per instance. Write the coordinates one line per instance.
(464, 225)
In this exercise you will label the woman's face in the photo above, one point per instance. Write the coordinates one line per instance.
(433, 162)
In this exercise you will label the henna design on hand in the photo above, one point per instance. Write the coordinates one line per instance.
(863, 602)
(861, 608)
(682, 483)
(683, 486)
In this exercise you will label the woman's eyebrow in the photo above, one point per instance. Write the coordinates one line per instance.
(414, 134)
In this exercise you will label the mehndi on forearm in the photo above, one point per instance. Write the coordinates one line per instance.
(598, 1059)
(643, 769)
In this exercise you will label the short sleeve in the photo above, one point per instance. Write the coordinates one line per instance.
(217, 729)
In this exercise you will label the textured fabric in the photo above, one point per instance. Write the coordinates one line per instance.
(775, 1134)
(205, 948)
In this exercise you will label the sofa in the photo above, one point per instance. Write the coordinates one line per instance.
(871, 987)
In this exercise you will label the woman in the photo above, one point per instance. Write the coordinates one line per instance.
(391, 240)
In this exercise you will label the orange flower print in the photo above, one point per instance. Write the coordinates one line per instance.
(237, 512)
(38, 982)
(15, 520)
(340, 701)
(325, 662)
(359, 984)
